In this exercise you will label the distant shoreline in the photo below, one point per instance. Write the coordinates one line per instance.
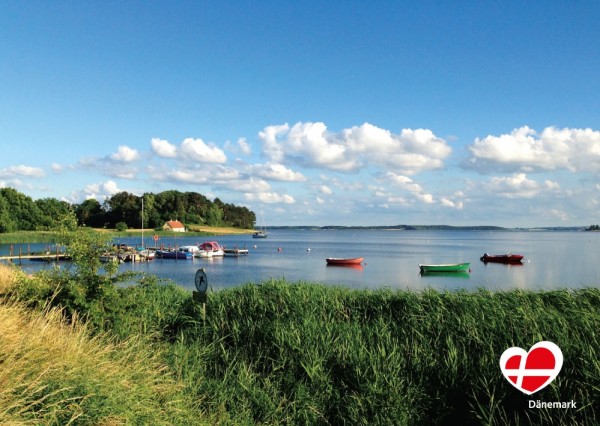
(433, 228)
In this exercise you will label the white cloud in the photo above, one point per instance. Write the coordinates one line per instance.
(125, 154)
(407, 184)
(279, 172)
(324, 189)
(197, 150)
(271, 198)
(100, 191)
(518, 186)
(21, 170)
(242, 146)
(576, 150)
(312, 145)
(163, 148)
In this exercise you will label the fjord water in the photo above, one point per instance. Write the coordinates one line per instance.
(552, 259)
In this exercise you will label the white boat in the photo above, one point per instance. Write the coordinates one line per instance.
(235, 252)
(262, 231)
(190, 249)
(209, 249)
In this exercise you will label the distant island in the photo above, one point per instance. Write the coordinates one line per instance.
(437, 228)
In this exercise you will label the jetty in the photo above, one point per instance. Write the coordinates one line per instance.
(47, 256)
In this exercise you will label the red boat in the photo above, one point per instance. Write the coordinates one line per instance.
(344, 261)
(502, 258)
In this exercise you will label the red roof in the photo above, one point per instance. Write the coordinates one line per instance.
(174, 224)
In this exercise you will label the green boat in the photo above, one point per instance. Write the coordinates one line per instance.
(448, 267)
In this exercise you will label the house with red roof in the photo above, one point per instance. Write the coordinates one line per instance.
(174, 225)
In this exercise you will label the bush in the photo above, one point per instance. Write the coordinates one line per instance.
(121, 227)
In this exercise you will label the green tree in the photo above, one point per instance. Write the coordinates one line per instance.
(22, 208)
(214, 216)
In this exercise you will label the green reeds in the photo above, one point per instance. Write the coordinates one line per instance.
(305, 353)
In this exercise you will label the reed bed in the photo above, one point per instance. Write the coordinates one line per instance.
(305, 353)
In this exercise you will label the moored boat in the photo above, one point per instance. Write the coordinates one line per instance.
(173, 254)
(445, 267)
(209, 249)
(338, 261)
(502, 258)
(235, 252)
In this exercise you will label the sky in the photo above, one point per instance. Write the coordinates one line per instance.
(315, 113)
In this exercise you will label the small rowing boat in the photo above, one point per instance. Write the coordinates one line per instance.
(344, 261)
(447, 267)
(502, 258)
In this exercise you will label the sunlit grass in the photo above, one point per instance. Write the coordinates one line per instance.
(53, 372)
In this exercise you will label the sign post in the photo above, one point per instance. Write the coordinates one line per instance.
(201, 282)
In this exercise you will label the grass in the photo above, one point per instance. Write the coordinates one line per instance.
(58, 373)
(20, 237)
(304, 353)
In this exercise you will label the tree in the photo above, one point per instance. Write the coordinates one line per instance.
(214, 216)
(90, 213)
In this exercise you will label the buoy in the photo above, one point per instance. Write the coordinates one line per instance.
(279, 249)
(308, 249)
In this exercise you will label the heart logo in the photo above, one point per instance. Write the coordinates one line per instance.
(534, 370)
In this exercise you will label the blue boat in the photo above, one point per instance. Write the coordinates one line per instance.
(174, 254)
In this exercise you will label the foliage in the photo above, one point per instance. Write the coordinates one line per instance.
(19, 212)
(280, 353)
(121, 226)
(593, 228)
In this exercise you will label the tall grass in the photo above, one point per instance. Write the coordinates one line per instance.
(304, 353)
(311, 354)
(57, 373)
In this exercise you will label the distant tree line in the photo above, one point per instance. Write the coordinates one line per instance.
(594, 228)
(18, 212)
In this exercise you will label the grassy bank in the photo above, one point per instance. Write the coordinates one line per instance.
(309, 354)
(59, 373)
(21, 237)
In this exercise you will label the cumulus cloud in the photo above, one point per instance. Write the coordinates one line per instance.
(407, 184)
(197, 150)
(99, 191)
(163, 148)
(518, 186)
(576, 150)
(242, 147)
(21, 170)
(270, 198)
(274, 171)
(190, 149)
(312, 145)
(125, 154)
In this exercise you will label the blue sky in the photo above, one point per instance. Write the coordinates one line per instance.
(324, 113)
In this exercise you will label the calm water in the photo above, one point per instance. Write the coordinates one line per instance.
(552, 259)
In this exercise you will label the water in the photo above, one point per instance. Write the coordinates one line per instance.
(552, 259)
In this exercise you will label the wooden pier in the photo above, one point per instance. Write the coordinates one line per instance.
(48, 256)
(43, 257)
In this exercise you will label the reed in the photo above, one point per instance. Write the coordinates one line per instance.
(305, 353)
(309, 353)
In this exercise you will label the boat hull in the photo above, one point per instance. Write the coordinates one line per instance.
(163, 254)
(502, 258)
(344, 261)
(235, 252)
(448, 267)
